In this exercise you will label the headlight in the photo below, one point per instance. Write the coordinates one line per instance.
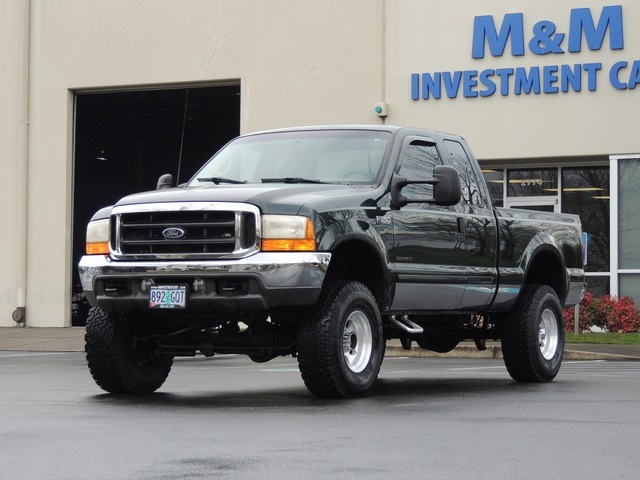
(287, 233)
(98, 237)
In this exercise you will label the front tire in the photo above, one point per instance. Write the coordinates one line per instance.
(533, 336)
(117, 361)
(341, 346)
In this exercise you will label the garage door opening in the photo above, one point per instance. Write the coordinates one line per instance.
(125, 140)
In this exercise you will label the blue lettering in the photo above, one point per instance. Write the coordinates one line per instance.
(415, 86)
(544, 41)
(614, 75)
(487, 82)
(470, 83)
(571, 77)
(592, 75)
(452, 83)
(431, 86)
(484, 30)
(504, 74)
(550, 78)
(526, 84)
(634, 78)
(582, 21)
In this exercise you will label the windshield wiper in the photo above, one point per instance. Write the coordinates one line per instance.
(219, 180)
(291, 180)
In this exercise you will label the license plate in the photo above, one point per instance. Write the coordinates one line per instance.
(168, 296)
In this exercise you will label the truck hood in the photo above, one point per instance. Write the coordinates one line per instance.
(270, 198)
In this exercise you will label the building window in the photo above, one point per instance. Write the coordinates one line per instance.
(625, 231)
(585, 192)
(532, 182)
(629, 212)
(495, 184)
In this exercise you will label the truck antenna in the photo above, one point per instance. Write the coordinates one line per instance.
(184, 123)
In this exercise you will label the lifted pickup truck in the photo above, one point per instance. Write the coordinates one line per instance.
(322, 243)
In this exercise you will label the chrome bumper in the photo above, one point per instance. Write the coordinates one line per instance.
(277, 279)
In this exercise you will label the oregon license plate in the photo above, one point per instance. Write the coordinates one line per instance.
(168, 296)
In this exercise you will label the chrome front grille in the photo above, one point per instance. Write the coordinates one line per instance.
(184, 231)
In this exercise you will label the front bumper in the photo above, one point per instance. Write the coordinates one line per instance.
(255, 283)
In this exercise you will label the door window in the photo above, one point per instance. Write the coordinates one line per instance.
(468, 180)
(418, 161)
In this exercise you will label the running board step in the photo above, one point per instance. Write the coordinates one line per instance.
(405, 324)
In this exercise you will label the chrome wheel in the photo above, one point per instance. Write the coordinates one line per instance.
(357, 341)
(341, 342)
(548, 334)
(533, 335)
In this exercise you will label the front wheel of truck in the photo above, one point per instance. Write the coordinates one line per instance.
(341, 346)
(533, 335)
(118, 361)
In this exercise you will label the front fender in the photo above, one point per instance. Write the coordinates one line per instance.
(365, 239)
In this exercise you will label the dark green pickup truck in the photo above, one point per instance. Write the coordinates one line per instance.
(322, 243)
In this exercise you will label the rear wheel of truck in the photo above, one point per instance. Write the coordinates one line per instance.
(341, 346)
(533, 335)
(117, 360)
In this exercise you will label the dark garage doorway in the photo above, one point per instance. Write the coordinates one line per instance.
(125, 140)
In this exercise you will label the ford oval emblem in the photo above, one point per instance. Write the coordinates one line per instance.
(173, 232)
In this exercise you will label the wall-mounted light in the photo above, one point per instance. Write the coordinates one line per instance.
(381, 109)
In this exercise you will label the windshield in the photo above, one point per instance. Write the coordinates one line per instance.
(319, 156)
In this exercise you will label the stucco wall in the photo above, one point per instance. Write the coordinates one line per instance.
(298, 63)
(425, 38)
(14, 15)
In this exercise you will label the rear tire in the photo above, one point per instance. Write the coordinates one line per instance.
(117, 361)
(341, 346)
(533, 335)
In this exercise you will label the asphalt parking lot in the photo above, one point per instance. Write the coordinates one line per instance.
(227, 417)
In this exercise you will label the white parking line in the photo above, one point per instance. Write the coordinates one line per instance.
(33, 354)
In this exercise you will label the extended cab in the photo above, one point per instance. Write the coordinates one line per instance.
(322, 243)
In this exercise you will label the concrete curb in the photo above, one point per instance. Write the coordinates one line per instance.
(495, 352)
(71, 339)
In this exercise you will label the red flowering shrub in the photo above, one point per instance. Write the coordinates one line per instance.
(624, 317)
(601, 310)
(584, 321)
(607, 312)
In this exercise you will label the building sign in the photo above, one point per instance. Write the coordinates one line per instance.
(490, 38)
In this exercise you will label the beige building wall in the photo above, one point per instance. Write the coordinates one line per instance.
(436, 36)
(298, 62)
(14, 55)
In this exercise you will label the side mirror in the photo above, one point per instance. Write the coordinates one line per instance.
(165, 181)
(446, 188)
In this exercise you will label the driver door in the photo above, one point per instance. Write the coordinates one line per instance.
(428, 250)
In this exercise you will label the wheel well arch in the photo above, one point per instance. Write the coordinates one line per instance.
(359, 261)
(546, 268)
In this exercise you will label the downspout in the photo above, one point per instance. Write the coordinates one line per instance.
(20, 315)
(383, 62)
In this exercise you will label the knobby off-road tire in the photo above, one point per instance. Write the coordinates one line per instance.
(116, 363)
(533, 336)
(341, 346)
